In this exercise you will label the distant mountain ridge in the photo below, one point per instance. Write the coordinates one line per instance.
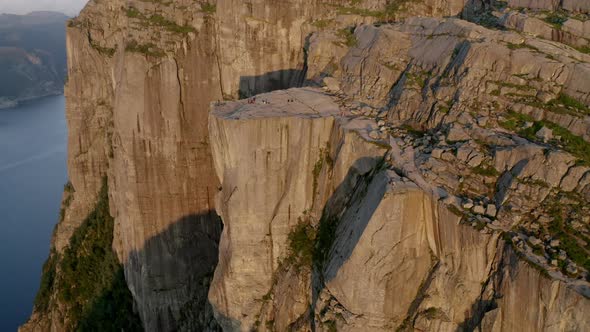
(32, 56)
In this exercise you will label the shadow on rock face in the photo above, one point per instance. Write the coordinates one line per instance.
(113, 308)
(174, 271)
(271, 81)
(352, 189)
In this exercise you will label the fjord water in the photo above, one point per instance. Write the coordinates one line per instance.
(32, 175)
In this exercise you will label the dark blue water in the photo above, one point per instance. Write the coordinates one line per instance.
(32, 175)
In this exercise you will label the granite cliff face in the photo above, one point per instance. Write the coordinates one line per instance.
(423, 187)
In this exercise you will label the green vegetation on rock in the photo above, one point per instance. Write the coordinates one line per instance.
(522, 45)
(392, 7)
(570, 102)
(317, 168)
(132, 12)
(563, 104)
(301, 244)
(69, 196)
(157, 20)
(571, 143)
(42, 299)
(322, 24)
(570, 239)
(347, 36)
(88, 278)
(485, 170)
(556, 19)
(208, 8)
(417, 79)
(149, 49)
(108, 51)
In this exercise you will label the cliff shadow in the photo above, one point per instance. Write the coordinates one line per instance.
(354, 188)
(505, 266)
(271, 81)
(170, 276)
(113, 308)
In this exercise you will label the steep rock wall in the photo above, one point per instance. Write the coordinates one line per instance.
(396, 255)
(551, 305)
(142, 75)
(269, 165)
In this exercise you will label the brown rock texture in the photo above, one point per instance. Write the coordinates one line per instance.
(408, 166)
(426, 242)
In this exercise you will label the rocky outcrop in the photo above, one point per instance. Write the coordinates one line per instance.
(459, 277)
(269, 159)
(297, 177)
(578, 6)
(552, 305)
(421, 267)
(563, 29)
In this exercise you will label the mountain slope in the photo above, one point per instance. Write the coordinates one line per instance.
(32, 56)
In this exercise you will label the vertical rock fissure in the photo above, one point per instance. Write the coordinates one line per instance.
(482, 305)
(412, 315)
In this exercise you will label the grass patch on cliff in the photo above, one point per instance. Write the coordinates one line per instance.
(309, 245)
(149, 49)
(567, 141)
(42, 299)
(573, 144)
(90, 283)
(514, 121)
(556, 19)
(392, 7)
(68, 198)
(513, 46)
(455, 210)
(485, 170)
(563, 104)
(435, 313)
(133, 12)
(560, 229)
(322, 24)
(301, 244)
(345, 10)
(161, 21)
(208, 8)
(158, 20)
(319, 165)
(347, 37)
(417, 79)
(108, 51)
(569, 102)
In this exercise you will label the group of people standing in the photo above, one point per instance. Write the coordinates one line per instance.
(253, 101)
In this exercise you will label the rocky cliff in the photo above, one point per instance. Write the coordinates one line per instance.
(436, 180)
